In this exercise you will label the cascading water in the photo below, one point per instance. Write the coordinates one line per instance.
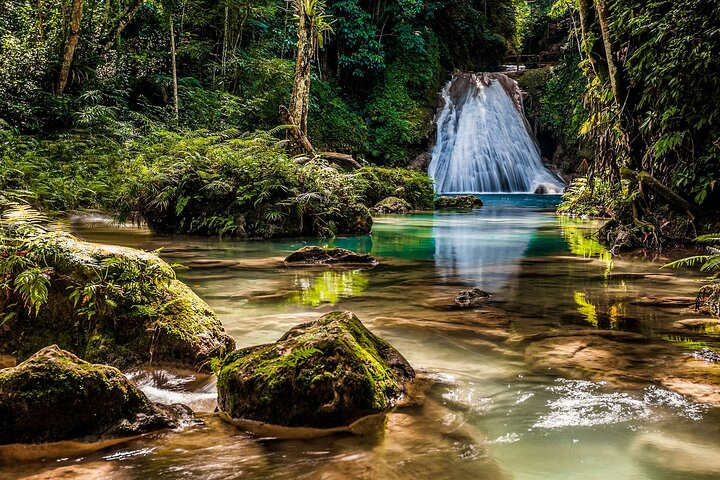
(483, 140)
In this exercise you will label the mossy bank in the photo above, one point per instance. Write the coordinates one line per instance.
(106, 304)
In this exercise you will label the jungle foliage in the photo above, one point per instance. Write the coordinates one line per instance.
(227, 183)
(645, 72)
(374, 81)
(709, 296)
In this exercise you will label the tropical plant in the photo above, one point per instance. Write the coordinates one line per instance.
(709, 295)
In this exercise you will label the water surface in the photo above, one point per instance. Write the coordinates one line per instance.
(503, 400)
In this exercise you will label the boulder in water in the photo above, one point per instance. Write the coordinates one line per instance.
(329, 256)
(460, 202)
(354, 219)
(541, 190)
(106, 304)
(472, 298)
(322, 374)
(55, 396)
(392, 205)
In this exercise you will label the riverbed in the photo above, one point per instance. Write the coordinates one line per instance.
(580, 365)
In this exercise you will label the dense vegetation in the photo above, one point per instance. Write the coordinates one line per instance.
(375, 79)
(631, 105)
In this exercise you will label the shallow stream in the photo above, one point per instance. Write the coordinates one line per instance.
(577, 367)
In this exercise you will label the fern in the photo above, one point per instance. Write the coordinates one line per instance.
(32, 286)
(709, 295)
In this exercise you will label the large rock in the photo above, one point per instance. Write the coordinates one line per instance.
(392, 206)
(106, 304)
(353, 219)
(322, 374)
(329, 256)
(55, 396)
(459, 202)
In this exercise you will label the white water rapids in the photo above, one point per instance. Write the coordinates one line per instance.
(483, 144)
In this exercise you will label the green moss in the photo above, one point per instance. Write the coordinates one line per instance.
(376, 184)
(56, 396)
(458, 202)
(323, 374)
(107, 304)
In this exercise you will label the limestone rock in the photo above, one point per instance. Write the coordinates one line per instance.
(329, 256)
(55, 396)
(322, 374)
(460, 202)
(471, 298)
(110, 305)
(393, 206)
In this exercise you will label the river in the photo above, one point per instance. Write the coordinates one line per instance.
(576, 368)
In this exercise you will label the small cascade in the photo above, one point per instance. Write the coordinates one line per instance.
(484, 143)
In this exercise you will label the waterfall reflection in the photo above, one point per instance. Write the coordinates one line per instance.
(483, 248)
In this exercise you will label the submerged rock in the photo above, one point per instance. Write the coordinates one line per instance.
(322, 374)
(392, 206)
(463, 201)
(329, 256)
(106, 304)
(707, 355)
(471, 298)
(56, 396)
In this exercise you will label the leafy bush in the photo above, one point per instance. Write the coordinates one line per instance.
(592, 198)
(242, 185)
(378, 183)
(709, 296)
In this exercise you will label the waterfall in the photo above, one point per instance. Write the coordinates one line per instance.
(484, 143)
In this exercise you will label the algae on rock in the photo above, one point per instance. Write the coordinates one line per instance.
(323, 374)
(106, 304)
(56, 396)
(312, 255)
(392, 205)
(459, 202)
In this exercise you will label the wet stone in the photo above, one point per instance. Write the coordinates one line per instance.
(707, 355)
(322, 374)
(460, 202)
(472, 298)
(392, 206)
(329, 256)
(55, 396)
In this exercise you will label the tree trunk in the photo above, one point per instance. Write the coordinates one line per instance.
(226, 25)
(613, 70)
(124, 21)
(70, 46)
(585, 29)
(298, 138)
(176, 106)
(40, 20)
(301, 84)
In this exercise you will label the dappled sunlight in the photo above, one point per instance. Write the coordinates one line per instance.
(329, 287)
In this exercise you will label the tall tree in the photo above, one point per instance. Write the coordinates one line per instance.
(176, 106)
(312, 28)
(614, 72)
(122, 23)
(70, 46)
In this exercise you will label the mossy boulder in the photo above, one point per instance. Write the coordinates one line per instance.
(459, 202)
(353, 219)
(55, 396)
(392, 205)
(106, 304)
(322, 374)
(329, 256)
